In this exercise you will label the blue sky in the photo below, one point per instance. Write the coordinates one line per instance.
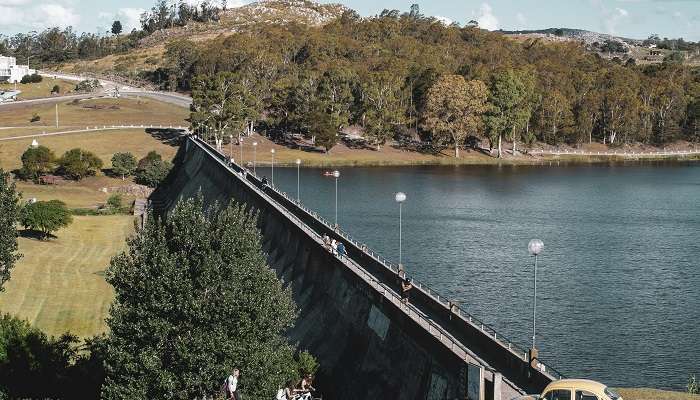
(630, 18)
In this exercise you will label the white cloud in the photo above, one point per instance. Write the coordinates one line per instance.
(612, 18)
(520, 17)
(130, 18)
(444, 20)
(486, 19)
(26, 15)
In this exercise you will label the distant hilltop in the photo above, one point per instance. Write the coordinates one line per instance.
(284, 11)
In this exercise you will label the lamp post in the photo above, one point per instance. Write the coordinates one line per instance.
(240, 144)
(400, 198)
(230, 145)
(535, 247)
(255, 156)
(272, 151)
(298, 162)
(336, 175)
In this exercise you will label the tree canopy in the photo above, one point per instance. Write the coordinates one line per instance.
(194, 298)
(78, 163)
(37, 161)
(46, 217)
(9, 215)
(123, 164)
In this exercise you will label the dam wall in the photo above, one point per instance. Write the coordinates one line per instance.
(369, 344)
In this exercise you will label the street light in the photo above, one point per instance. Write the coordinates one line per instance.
(298, 162)
(400, 198)
(240, 143)
(255, 156)
(230, 145)
(535, 247)
(272, 151)
(336, 175)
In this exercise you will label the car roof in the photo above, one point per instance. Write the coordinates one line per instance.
(584, 384)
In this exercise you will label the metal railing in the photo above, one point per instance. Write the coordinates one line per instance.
(468, 318)
(616, 153)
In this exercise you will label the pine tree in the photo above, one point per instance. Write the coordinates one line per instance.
(194, 299)
(9, 214)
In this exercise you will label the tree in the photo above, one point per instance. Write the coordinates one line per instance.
(115, 201)
(77, 164)
(46, 217)
(55, 89)
(508, 110)
(381, 94)
(123, 164)
(37, 161)
(454, 108)
(152, 173)
(116, 27)
(9, 215)
(323, 129)
(194, 298)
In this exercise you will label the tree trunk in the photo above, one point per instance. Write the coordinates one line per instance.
(456, 146)
(499, 145)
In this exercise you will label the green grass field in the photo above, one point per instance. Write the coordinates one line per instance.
(41, 89)
(654, 394)
(59, 285)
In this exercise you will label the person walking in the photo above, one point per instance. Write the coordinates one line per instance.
(232, 385)
(334, 247)
(341, 249)
(406, 287)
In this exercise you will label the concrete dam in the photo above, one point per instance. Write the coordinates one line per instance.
(369, 344)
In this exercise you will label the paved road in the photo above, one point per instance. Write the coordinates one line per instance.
(97, 128)
(108, 88)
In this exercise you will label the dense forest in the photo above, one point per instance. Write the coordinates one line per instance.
(376, 73)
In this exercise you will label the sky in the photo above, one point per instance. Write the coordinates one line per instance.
(629, 18)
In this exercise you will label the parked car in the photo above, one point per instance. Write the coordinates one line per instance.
(574, 389)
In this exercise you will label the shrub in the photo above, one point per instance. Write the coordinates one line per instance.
(56, 89)
(35, 118)
(37, 161)
(35, 78)
(46, 217)
(693, 385)
(115, 201)
(77, 164)
(88, 85)
(25, 79)
(152, 169)
(123, 164)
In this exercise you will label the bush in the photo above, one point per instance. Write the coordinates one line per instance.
(693, 385)
(33, 78)
(88, 85)
(77, 164)
(152, 169)
(45, 217)
(35, 118)
(123, 164)
(25, 79)
(115, 201)
(306, 364)
(56, 89)
(37, 161)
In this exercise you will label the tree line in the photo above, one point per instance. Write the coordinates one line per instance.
(393, 74)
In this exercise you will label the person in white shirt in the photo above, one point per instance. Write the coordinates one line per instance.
(232, 385)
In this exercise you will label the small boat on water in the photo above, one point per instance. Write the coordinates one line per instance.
(328, 173)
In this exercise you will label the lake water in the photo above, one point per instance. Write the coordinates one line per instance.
(618, 281)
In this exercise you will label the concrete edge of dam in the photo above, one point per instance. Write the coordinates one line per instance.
(369, 344)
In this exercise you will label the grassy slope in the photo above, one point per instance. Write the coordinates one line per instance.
(58, 285)
(655, 394)
(41, 89)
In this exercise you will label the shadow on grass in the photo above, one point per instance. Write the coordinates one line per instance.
(34, 234)
(169, 136)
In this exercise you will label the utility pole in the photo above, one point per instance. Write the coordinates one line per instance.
(56, 115)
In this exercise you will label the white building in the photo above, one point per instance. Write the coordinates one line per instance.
(11, 72)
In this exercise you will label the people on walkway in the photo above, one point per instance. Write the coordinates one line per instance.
(334, 247)
(232, 385)
(341, 249)
(264, 181)
(406, 287)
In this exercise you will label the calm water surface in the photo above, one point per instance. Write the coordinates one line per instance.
(618, 282)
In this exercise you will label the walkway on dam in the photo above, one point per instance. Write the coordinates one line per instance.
(437, 315)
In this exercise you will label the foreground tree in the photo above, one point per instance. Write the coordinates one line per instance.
(37, 161)
(46, 217)
(508, 110)
(453, 109)
(123, 164)
(9, 214)
(152, 169)
(78, 163)
(194, 299)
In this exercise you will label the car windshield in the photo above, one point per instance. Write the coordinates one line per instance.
(612, 394)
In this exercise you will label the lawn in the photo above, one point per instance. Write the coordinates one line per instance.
(41, 89)
(103, 143)
(655, 394)
(90, 112)
(59, 284)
